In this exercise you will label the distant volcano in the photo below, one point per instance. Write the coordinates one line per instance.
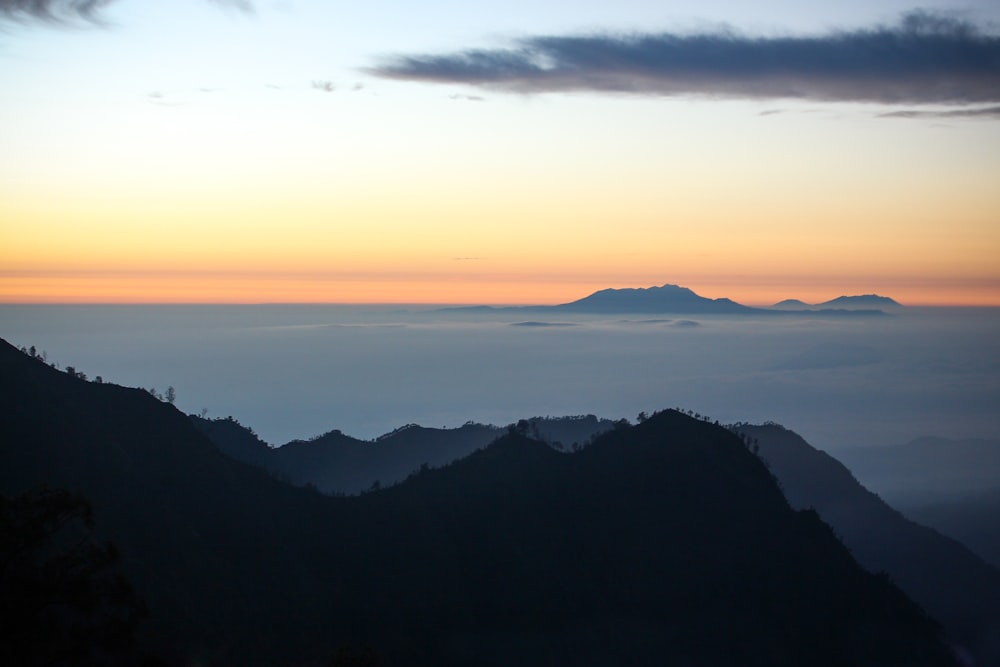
(664, 299)
(861, 301)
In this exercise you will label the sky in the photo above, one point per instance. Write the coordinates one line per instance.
(498, 152)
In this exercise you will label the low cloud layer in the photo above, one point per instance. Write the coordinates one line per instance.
(979, 112)
(67, 11)
(924, 58)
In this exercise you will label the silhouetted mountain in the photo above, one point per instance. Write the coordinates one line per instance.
(862, 301)
(669, 299)
(236, 440)
(337, 463)
(567, 432)
(625, 534)
(954, 584)
(663, 543)
(865, 302)
(971, 519)
(214, 547)
(794, 304)
(664, 299)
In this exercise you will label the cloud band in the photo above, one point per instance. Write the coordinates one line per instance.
(925, 58)
(63, 11)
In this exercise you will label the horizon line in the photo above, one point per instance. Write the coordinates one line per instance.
(430, 304)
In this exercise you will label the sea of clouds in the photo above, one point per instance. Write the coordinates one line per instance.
(295, 371)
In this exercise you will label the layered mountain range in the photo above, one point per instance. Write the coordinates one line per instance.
(336, 463)
(665, 542)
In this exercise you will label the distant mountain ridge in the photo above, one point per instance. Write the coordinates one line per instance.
(862, 301)
(340, 464)
(674, 299)
(951, 485)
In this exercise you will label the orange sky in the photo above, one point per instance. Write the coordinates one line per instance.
(242, 288)
(206, 177)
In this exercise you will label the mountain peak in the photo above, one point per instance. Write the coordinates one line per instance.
(791, 303)
(667, 298)
(866, 300)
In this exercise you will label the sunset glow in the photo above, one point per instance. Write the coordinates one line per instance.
(327, 175)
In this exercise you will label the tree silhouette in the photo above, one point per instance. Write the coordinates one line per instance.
(62, 599)
(347, 656)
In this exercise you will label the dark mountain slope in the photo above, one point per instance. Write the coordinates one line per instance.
(666, 543)
(952, 485)
(331, 462)
(955, 585)
(235, 440)
(972, 519)
(670, 534)
(212, 545)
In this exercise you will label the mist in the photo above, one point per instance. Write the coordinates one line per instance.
(295, 371)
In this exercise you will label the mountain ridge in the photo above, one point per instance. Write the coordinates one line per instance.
(335, 463)
(864, 301)
(950, 484)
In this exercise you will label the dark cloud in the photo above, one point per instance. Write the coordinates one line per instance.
(924, 58)
(51, 10)
(68, 11)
